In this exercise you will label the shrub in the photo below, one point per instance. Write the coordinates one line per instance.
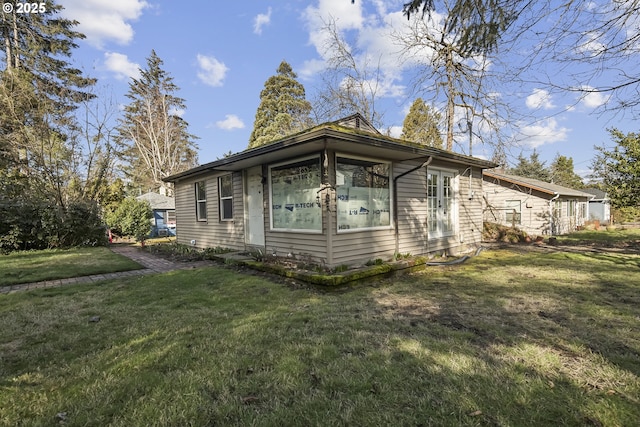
(132, 219)
(35, 224)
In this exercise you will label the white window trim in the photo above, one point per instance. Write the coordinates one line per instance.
(439, 233)
(221, 198)
(292, 230)
(509, 210)
(199, 201)
(391, 195)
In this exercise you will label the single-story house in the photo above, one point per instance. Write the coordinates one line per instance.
(163, 222)
(338, 193)
(599, 206)
(535, 206)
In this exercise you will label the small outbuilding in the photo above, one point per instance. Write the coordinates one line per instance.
(339, 193)
(163, 223)
(599, 206)
(537, 207)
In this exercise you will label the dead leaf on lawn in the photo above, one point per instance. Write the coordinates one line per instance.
(249, 400)
(475, 413)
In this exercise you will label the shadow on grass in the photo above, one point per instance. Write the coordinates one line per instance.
(496, 341)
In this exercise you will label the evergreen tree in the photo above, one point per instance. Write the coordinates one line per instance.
(421, 125)
(154, 140)
(39, 90)
(283, 108)
(619, 169)
(478, 24)
(531, 168)
(562, 172)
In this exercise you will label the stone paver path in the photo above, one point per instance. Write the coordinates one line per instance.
(152, 264)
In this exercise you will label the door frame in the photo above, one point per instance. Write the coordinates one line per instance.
(254, 203)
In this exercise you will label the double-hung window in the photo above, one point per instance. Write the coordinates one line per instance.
(513, 212)
(225, 190)
(201, 200)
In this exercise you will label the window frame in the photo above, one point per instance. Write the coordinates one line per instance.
(509, 208)
(572, 208)
(222, 198)
(389, 189)
(201, 201)
(291, 164)
(445, 225)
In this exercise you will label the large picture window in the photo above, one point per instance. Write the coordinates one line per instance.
(294, 192)
(225, 188)
(201, 201)
(363, 193)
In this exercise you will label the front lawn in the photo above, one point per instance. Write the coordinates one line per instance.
(616, 237)
(36, 266)
(509, 338)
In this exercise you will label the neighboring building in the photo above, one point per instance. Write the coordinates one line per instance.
(338, 193)
(534, 206)
(163, 222)
(599, 206)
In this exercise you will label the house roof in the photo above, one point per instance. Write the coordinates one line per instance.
(536, 184)
(158, 201)
(336, 136)
(599, 194)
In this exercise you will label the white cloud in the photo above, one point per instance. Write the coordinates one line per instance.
(230, 122)
(260, 21)
(591, 44)
(311, 67)
(120, 65)
(347, 16)
(395, 131)
(540, 98)
(177, 111)
(212, 72)
(593, 99)
(546, 131)
(104, 20)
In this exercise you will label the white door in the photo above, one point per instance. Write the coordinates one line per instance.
(255, 207)
(441, 207)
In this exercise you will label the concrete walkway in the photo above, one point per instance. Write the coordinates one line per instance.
(152, 264)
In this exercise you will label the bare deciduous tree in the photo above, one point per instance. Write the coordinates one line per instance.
(452, 77)
(352, 80)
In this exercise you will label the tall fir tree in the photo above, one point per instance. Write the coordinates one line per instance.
(562, 172)
(283, 108)
(39, 90)
(153, 139)
(421, 125)
(531, 167)
(618, 169)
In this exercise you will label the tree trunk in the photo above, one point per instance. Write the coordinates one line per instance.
(450, 67)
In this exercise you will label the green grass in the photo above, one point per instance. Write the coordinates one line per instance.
(614, 237)
(35, 266)
(508, 338)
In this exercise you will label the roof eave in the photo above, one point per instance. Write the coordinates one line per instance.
(323, 133)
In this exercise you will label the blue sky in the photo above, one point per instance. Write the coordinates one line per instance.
(221, 53)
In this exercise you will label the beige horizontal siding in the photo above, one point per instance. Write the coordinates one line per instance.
(213, 232)
(534, 219)
(361, 246)
(412, 209)
(298, 244)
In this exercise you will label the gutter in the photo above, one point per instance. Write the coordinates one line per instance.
(395, 196)
(551, 212)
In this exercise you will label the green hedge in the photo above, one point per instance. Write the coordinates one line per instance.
(30, 225)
